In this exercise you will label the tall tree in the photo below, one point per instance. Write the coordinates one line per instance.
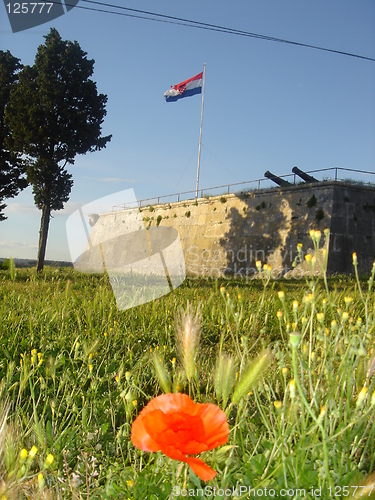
(55, 113)
(12, 168)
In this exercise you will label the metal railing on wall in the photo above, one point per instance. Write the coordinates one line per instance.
(240, 187)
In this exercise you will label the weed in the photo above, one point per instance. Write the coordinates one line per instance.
(311, 202)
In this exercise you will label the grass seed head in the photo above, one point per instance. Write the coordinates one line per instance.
(251, 374)
(188, 329)
(224, 378)
(371, 368)
(162, 373)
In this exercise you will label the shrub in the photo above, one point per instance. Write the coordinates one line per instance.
(312, 201)
(319, 214)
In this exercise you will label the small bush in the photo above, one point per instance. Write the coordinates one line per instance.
(158, 219)
(187, 214)
(319, 214)
(312, 201)
(5, 264)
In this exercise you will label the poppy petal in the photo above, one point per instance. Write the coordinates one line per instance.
(170, 403)
(215, 425)
(178, 427)
(141, 438)
(201, 469)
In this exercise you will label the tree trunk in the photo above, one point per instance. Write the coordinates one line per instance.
(43, 233)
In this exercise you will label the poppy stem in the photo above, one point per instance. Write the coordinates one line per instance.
(185, 476)
(174, 482)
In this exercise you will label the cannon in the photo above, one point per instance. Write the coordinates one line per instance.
(277, 180)
(303, 175)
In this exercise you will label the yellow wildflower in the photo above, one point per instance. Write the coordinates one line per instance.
(362, 396)
(308, 298)
(323, 411)
(292, 388)
(41, 481)
(320, 317)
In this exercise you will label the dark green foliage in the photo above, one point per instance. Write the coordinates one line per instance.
(55, 113)
(12, 178)
(312, 201)
(319, 214)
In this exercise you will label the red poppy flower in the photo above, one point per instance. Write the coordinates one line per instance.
(178, 427)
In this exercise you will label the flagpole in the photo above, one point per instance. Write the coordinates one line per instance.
(200, 132)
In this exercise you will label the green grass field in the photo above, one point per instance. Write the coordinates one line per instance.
(75, 373)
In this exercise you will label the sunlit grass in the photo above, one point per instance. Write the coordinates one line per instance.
(75, 372)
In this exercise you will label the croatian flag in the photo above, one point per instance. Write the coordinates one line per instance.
(186, 88)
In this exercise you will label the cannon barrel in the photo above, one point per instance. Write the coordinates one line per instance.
(303, 175)
(277, 180)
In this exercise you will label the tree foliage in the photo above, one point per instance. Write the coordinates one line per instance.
(55, 113)
(12, 178)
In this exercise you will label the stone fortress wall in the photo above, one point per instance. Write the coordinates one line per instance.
(226, 235)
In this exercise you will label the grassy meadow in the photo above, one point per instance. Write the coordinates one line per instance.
(290, 362)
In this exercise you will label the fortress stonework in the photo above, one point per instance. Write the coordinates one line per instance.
(226, 235)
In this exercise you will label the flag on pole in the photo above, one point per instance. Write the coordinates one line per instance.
(187, 88)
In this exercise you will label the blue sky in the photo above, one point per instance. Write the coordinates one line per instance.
(267, 105)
